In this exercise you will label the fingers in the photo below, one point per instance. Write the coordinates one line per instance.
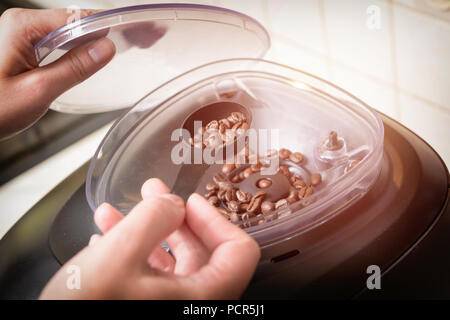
(106, 217)
(188, 250)
(72, 68)
(235, 254)
(141, 231)
(162, 260)
(94, 239)
(153, 187)
(208, 224)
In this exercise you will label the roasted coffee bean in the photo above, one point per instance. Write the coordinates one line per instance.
(353, 164)
(284, 213)
(267, 206)
(247, 173)
(284, 154)
(285, 170)
(212, 126)
(316, 179)
(222, 182)
(233, 205)
(282, 203)
(298, 184)
(244, 126)
(293, 196)
(255, 202)
(296, 157)
(221, 195)
(230, 195)
(211, 186)
(309, 191)
(246, 217)
(213, 200)
(301, 192)
(264, 183)
(243, 196)
(223, 211)
(238, 116)
(243, 207)
(225, 122)
(261, 220)
(236, 125)
(227, 168)
(234, 217)
(210, 193)
(235, 179)
(256, 167)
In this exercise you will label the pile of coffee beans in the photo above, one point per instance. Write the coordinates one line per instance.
(220, 132)
(238, 205)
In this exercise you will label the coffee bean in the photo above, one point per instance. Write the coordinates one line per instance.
(235, 179)
(221, 195)
(247, 173)
(224, 211)
(246, 217)
(233, 205)
(256, 201)
(293, 196)
(213, 200)
(243, 196)
(298, 184)
(222, 182)
(353, 164)
(234, 217)
(244, 126)
(243, 207)
(316, 179)
(267, 207)
(211, 186)
(285, 170)
(284, 213)
(227, 168)
(225, 122)
(230, 195)
(238, 116)
(212, 126)
(309, 191)
(301, 192)
(264, 183)
(210, 193)
(284, 154)
(296, 157)
(261, 219)
(282, 203)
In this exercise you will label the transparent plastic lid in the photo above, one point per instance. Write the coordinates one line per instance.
(327, 147)
(154, 44)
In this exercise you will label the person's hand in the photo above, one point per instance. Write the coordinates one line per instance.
(26, 91)
(212, 258)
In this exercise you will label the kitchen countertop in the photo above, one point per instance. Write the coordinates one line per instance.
(21, 193)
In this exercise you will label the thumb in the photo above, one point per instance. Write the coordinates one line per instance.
(75, 66)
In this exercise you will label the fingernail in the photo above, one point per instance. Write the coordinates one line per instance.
(175, 199)
(101, 50)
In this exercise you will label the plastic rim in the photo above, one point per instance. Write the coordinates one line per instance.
(176, 27)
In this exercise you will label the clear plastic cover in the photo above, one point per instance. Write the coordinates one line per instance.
(340, 137)
(154, 43)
